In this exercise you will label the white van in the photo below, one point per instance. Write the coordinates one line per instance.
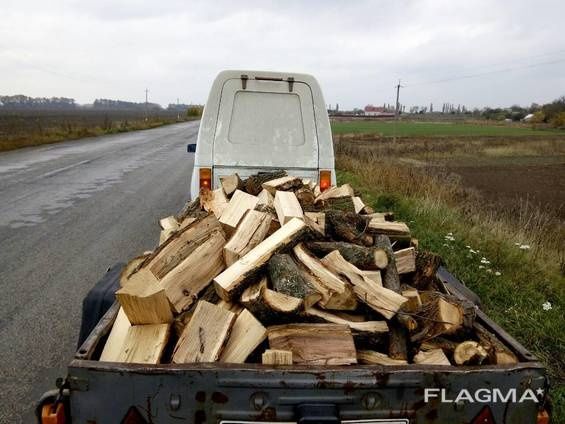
(262, 121)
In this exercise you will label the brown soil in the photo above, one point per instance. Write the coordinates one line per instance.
(543, 185)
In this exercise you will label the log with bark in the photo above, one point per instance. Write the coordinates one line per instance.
(282, 184)
(286, 278)
(253, 184)
(348, 226)
(398, 338)
(269, 306)
(371, 357)
(231, 282)
(336, 293)
(365, 258)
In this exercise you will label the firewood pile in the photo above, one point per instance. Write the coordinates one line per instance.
(273, 270)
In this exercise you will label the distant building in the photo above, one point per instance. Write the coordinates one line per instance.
(371, 110)
(528, 117)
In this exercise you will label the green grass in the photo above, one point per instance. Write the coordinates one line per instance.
(513, 299)
(432, 129)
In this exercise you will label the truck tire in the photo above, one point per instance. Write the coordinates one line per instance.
(98, 301)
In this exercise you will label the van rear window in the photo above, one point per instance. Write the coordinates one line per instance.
(266, 118)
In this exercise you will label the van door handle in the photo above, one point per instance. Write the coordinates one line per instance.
(317, 413)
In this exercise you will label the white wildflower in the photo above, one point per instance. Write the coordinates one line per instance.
(497, 273)
(546, 306)
(489, 271)
(524, 246)
(481, 266)
(485, 261)
(468, 247)
(472, 251)
(518, 244)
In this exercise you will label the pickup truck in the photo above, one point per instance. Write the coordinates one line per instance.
(257, 121)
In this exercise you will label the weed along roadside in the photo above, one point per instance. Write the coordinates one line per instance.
(521, 285)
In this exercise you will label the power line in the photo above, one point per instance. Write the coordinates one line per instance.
(477, 75)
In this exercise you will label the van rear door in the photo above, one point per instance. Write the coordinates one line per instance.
(265, 124)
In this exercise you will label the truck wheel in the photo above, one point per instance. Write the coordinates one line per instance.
(98, 301)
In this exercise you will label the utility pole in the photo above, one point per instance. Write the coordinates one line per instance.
(146, 97)
(396, 110)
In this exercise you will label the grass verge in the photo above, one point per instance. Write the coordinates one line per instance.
(64, 133)
(435, 207)
(434, 129)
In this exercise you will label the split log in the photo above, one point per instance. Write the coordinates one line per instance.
(282, 184)
(181, 245)
(253, 184)
(195, 272)
(144, 344)
(366, 258)
(405, 260)
(191, 209)
(344, 204)
(376, 216)
(287, 206)
(306, 198)
(371, 327)
(266, 200)
(168, 226)
(398, 339)
(205, 335)
(251, 231)
(230, 184)
(315, 344)
(276, 357)
(431, 357)
(389, 228)
(317, 220)
(498, 352)
(247, 333)
(230, 283)
(414, 303)
(236, 308)
(286, 278)
(181, 320)
(144, 301)
(336, 293)
(358, 204)
(374, 276)
(385, 301)
(439, 343)
(213, 201)
(131, 268)
(268, 305)
(114, 344)
(427, 264)
(469, 353)
(439, 316)
(348, 226)
(333, 192)
(239, 204)
(371, 357)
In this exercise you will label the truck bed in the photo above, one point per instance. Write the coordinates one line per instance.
(104, 392)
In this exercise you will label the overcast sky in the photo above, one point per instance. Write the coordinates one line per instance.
(357, 49)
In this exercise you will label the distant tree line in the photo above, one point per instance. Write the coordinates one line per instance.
(19, 101)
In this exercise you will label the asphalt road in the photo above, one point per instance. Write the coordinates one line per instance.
(68, 211)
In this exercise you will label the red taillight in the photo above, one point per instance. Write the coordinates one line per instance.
(325, 180)
(543, 417)
(53, 414)
(206, 178)
(484, 417)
